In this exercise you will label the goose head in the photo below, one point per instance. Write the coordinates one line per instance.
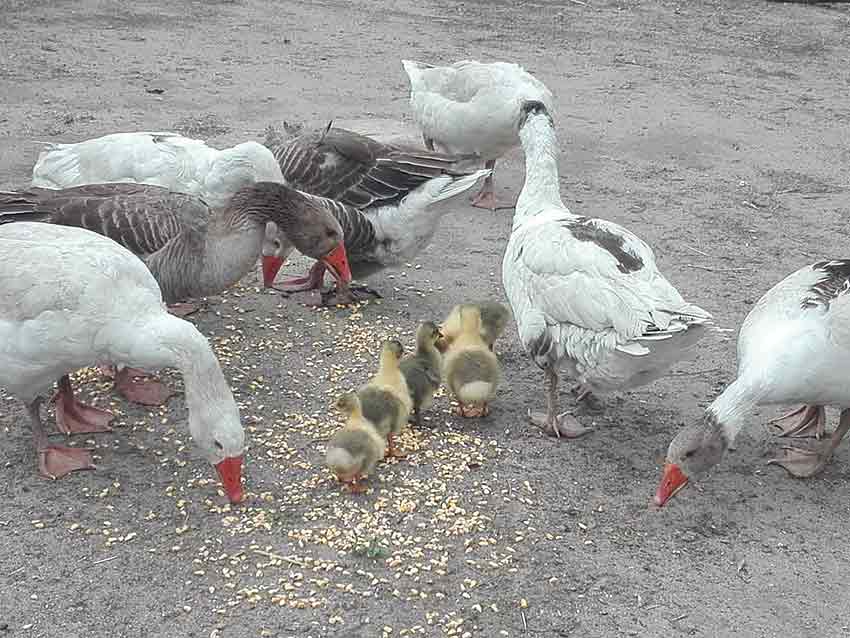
(218, 433)
(531, 111)
(310, 228)
(692, 453)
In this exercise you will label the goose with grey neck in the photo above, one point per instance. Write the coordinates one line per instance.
(69, 298)
(794, 347)
(191, 250)
(388, 200)
(585, 292)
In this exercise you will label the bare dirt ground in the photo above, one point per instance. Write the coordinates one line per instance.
(719, 131)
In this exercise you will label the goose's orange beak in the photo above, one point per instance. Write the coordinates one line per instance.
(271, 266)
(672, 481)
(230, 473)
(337, 262)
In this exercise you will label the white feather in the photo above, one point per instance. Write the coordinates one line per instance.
(606, 312)
(169, 160)
(472, 107)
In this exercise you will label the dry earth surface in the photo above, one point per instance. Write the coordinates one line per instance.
(717, 130)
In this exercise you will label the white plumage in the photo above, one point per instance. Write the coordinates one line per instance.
(70, 298)
(169, 160)
(793, 347)
(585, 292)
(473, 108)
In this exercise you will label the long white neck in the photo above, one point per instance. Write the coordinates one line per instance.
(732, 407)
(542, 188)
(169, 342)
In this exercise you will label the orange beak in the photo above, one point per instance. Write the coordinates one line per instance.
(672, 481)
(337, 263)
(230, 473)
(271, 266)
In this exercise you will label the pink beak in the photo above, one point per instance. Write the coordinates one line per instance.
(337, 261)
(230, 473)
(271, 266)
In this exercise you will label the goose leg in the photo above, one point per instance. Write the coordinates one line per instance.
(486, 197)
(55, 461)
(141, 388)
(802, 462)
(810, 417)
(559, 425)
(429, 143)
(73, 417)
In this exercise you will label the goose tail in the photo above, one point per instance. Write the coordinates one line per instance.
(458, 185)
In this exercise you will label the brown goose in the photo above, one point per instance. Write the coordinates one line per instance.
(384, 197)
(191, 250)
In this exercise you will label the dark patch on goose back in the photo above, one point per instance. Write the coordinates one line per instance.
(584, 229)
(834, 283)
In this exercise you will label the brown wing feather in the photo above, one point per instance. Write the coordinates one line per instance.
(140, 217)
(356, 169)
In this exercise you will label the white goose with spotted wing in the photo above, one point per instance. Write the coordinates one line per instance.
(794, 347)
(586, 293)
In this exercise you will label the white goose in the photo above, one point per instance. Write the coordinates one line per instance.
(388, 200)
(472, 108)
(191, 250)
(586, 293)
(794, 347)
(70, 297)
(178, 163)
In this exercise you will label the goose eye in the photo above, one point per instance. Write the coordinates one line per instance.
(690, 453)
(218, 445)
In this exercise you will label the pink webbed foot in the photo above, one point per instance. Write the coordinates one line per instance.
(182, 309)
(73, 417)
(561, 426)
(55, 462)
(312, 281)
(136, 386)
(805, 421)
(486, 198)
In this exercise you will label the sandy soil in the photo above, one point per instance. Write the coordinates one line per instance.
(716, 130)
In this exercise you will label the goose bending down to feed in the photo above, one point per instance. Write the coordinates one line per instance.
(191, 250)
(793, 347)
(388, 200)
(175, 162)
(586, 293)
(178, 163)
(472, 108)
(70, 297)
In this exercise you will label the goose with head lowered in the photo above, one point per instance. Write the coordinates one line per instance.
(389, 200)
(191, 250)
(586, 293)
(70, 297)
(175, 162)
(472, 107)
(793, 348)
